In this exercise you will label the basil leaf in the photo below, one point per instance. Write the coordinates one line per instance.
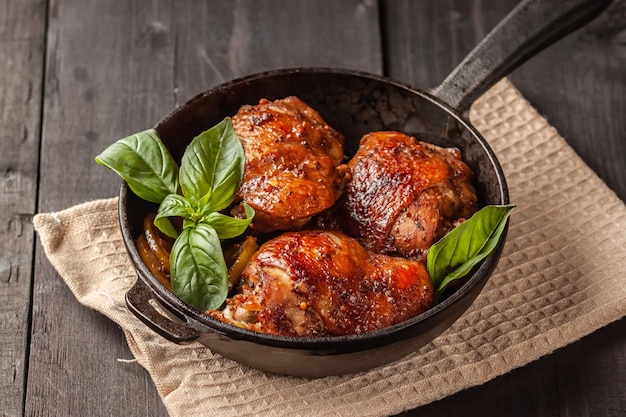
(174, 205)
(453, 256)
(213, 163)
(144, 163)
(229, 227)
(198, 270)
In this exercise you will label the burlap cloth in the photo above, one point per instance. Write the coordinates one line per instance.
(561, 277)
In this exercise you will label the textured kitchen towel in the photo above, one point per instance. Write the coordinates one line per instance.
(561, 277)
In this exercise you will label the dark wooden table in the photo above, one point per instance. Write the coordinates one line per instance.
(76, 75)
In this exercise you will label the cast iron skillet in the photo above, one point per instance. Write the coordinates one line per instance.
(354, 103)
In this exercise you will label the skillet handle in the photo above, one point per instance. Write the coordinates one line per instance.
(530, 27)
(138, 302)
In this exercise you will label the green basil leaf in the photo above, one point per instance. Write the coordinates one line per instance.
(144, 163)
(213, 163)
(453, 256)
(229, 227)
(198, 269)
(174, 205)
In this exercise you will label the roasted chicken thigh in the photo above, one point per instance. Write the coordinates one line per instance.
(402, 195)
(321, 283)
(292, 157)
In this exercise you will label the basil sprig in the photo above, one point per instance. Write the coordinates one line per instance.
(206, 182)
(454, 255)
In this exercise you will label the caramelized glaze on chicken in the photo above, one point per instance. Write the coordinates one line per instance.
(321, 283)
(395, 198)
(292, 157)
(403, 195)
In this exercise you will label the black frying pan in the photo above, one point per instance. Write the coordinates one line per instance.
(354, 103)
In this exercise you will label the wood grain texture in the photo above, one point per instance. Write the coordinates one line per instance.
(576, 82)
(22, 34)
(234, 39)
(114, 68)
(109, 74)
(592, 374)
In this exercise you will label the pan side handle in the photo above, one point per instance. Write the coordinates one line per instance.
(138, 302)
(529, 28)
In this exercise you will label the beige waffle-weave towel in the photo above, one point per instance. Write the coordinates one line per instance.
(562, 276)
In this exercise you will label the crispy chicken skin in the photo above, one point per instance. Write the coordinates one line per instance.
(402, 195)
(320, 283)
(292, 157)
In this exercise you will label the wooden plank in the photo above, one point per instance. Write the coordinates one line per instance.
(423, 43)
(244, 37)
(118, 67)
(592, 374)
(587, 84)
(108, 74)
(22, 34)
